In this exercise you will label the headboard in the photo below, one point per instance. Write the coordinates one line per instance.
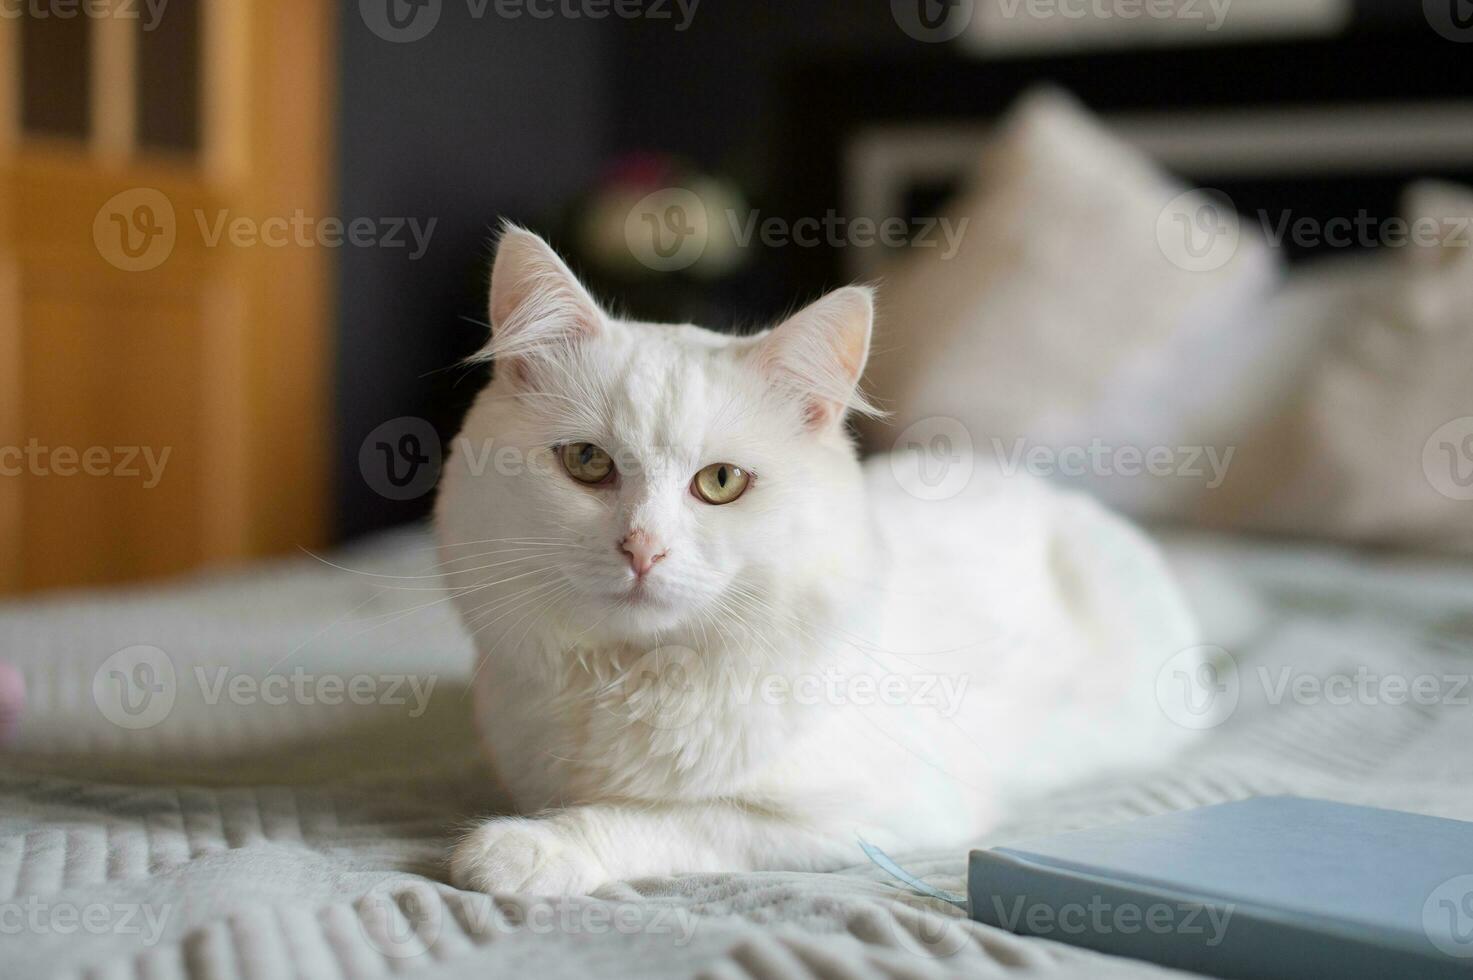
(1320, 128)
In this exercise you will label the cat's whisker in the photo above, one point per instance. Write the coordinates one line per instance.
(527, 596)
(464, 544)
(385, 575)
(395, 615)
(476, 613)
(460, 571)
(323, 631)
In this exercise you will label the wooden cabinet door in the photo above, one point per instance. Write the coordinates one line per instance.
(164, 373)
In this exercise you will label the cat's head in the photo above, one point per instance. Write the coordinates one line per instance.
(639, 478)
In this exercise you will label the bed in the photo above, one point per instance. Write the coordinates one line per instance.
(169, 811)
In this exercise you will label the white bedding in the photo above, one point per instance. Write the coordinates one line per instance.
(249, 839)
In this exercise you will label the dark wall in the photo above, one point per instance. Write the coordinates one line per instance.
(713, 91)
(477, 120)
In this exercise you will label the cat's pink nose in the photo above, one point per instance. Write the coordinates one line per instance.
(643, 551)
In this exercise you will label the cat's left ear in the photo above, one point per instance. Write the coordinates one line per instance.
(819, 354)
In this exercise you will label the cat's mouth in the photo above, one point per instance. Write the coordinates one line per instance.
(642, 594)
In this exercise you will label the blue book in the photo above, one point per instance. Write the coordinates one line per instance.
(1269, 887)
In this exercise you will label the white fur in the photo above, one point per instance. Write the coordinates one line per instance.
(942, 660)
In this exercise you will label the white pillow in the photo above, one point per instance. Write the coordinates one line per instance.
(1376, 443)
(1073, 314)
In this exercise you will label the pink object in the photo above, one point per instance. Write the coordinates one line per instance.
(12, 700)
(643, 551)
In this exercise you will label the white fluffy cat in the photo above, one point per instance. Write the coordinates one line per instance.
(712, 640)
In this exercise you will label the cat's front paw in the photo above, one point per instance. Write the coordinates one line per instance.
(517, 854)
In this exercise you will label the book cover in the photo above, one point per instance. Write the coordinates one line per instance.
(1267, 887)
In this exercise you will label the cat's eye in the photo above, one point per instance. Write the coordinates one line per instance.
(586, 462)
(720, 483)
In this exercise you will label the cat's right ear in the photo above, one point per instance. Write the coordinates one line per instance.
(537, 305)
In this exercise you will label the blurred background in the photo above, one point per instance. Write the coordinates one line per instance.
(244, 245)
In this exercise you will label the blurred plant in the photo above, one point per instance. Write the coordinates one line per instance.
(659, 233)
